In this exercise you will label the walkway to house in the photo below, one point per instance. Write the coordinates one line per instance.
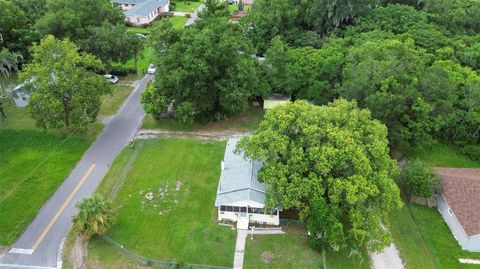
(240, 249)
(195, 15)
(181, 13)
(387, 259)
(242, 239)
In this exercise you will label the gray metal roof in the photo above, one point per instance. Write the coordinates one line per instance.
(145, 8)
(239, 178)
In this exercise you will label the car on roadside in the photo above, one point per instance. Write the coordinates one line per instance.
(111, 78)
(152, 68)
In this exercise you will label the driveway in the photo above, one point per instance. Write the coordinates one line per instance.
(387, 259)
(194, 15)
(39, 244)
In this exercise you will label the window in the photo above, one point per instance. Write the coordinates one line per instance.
(450, 212)
(255, 210)
(243, 209)
(222, 208)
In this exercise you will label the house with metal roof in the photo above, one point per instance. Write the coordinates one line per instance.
(140, 12)
(459, 204)
(240, 194)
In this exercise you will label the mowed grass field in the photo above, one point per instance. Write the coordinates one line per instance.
(165, 207)
(245, 121)
(425, 241)
(33, 163)
(186, 6)
(291, 250)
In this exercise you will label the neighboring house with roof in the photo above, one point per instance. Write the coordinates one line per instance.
(140, 12)
(459, 204)
(240, 195)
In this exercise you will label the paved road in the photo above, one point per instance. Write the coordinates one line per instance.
(39, 244)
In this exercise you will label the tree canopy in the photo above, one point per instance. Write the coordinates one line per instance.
(71, 18)
(65, 89)
(16, 29)
(331, 163)
(110, 43)
(207, 72)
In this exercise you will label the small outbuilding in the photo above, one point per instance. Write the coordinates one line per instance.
(240, 194)
(276, 99)
(459, 204)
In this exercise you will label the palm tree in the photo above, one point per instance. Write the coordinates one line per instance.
(9, 62)
(95, 216)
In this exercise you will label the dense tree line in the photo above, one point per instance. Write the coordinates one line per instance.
(407, 58)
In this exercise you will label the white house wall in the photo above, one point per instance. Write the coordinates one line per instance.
(137, 20)
(254, 218)
(473, 243)
(453, 223)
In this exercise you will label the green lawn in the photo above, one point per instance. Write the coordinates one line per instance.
(112, 102)
(138, 30)
(442, 155)
(33, 163)
(291, 250)
(245, 121)
(444, 249)
(179, 222)
(178, 21)
(186, 6)
(409, 241)
(27, 176)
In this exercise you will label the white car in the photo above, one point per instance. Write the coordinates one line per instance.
(111, 78)
(151, 69)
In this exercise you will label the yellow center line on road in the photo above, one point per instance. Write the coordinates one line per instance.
(59, 212)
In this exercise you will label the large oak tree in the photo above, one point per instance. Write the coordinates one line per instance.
(207, 72)
(65, 89)
(332, 164)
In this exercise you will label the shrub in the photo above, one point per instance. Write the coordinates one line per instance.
(420, 179)
(122, 70)
(172, 7)
(188, 15)
(95, 216)
(472, 151)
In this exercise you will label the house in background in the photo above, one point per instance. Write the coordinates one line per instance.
(141, 12)
(276, 99)
(240, 195)
(459, 204)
